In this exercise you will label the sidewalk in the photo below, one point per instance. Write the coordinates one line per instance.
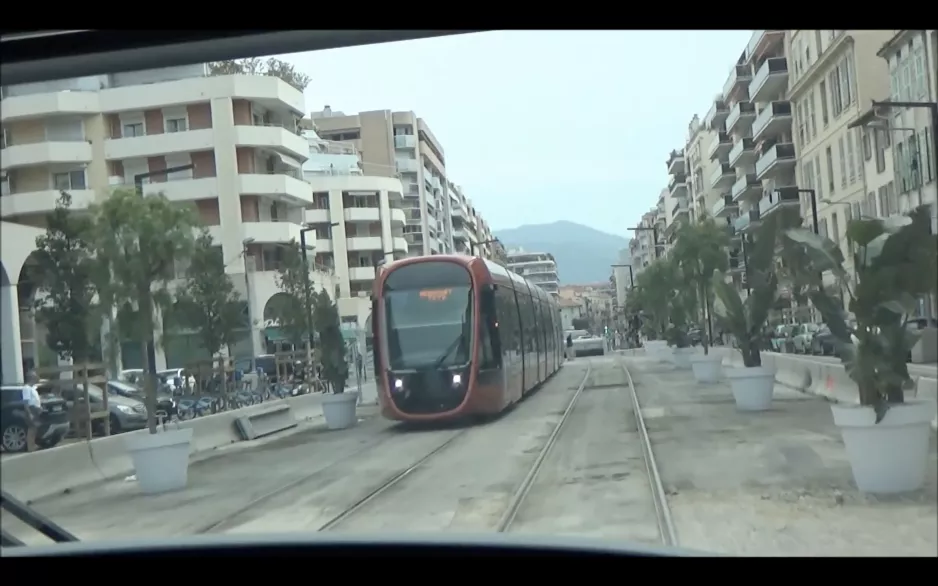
(770, 484)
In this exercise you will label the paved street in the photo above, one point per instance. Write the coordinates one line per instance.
(774, 483)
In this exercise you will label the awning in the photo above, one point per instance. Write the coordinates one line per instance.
(288, 161)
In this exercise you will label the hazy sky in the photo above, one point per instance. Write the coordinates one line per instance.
(539, 126)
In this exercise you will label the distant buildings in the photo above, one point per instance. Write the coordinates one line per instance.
(537, 267)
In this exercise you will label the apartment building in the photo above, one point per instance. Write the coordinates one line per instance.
(358, 221)
(834, 76)
(538, 267)
(401, 144)
(702, 141)
(235, 138)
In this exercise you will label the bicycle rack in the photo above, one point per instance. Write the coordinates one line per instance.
(34, 519)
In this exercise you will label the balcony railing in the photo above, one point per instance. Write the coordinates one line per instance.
(777, 68)
(723, 205)
(747, 221)
(739, 147)
(740, 74)
(780, 109)
(779, 152)
(741, 110)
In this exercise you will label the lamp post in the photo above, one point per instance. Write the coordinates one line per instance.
(138, 188)
(654, 231)
(473, 245)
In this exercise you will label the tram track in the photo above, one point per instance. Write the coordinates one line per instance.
(516, 498)
(666, 533)
(244, 513)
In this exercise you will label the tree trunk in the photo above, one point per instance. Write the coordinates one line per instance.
(147, 338)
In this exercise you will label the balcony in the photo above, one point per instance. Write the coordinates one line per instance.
(743, 153)
(364, 243)
(362, 215)
(738, 81)
(273, 137)
(677, 186)
(741, 117)
(323, 244)
(785, 197)
(770, 81)
(362, 273)
(42, 202)
(680, 209)
(271, 232)
(179, 189)
(406, 166)
(746, 187)
(280, 186)
(45, 153)
(399, 244)
(772, 121)
(677, 163)
(154, 145)
(723, 207)
(316, 216)
(397, 215)
(716, 116)
(779, 158)
(405, 141)
(722, 176)
(747, 221)
(720, 147)
(61, 103)
(761, 41)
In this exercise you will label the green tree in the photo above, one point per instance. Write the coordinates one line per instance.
(64, 276)
(254, 66)
(699, 251)
(294, 309)
(656, 288)
(138, 239)
(331, 343)
(207, 300)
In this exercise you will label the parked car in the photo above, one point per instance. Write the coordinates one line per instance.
(53, 423)
(823, 342)
(803, 334)
(124, 413)
(585, 343)
(164, 401)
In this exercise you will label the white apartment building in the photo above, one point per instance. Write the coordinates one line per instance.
(400, 144)
(538, 267)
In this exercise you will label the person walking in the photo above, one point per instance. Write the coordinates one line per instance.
(33, 406)
(570, 354)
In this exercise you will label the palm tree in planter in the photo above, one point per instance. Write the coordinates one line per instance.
(338, 408)
(700, 251)
(886, 435)
(752, 385)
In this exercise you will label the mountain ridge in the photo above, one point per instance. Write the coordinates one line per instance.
(583, 254)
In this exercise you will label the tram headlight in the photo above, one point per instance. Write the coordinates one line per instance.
(398, 384)
(457, 380)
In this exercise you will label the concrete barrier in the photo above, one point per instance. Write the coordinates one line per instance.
(53, 471)
(927, 388)
(267, 422)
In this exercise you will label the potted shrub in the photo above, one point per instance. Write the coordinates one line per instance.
(679, 342)
(138, 240)
(339, 407)
(753, 384)
(700, 251)
(886, 435)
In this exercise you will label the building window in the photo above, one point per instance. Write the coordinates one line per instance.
(830, 169)
(177, 125)
(799, 113)
(823, 92)
(841, 158)
(867, 148)
(69, 180)
(836, 96)
(812, 119)
(132, 130)
(929, 174)
(851, 158)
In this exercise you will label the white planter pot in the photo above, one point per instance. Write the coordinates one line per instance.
(681, 357)
(339, 410)
(161, 460)
(752, 387)
(707, 368)
(890, 456)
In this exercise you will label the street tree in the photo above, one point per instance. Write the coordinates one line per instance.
(331, 343)
(138, 239)
(64, 271)
(294, 308)
(207, 301)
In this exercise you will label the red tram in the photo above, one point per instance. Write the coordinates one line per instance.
(459, 335)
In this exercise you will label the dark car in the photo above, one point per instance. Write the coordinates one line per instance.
(53, 423)
(823, 342)
(164, 401)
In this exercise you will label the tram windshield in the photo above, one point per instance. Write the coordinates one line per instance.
(428, 316)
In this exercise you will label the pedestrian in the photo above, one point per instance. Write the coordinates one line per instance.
(33, 407)
(570, 346)
(359, 364)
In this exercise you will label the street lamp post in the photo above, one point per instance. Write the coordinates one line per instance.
(654, 231)
(138, 188)
(473, 245)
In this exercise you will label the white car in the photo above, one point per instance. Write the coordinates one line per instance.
(585, 343)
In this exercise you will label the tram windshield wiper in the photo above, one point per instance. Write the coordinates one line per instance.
(34, 519)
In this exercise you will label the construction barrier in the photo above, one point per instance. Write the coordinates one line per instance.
(56, 470)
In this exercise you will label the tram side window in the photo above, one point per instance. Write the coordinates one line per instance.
(531, 328)
(507, 319)
(548, 326)
(490, 357)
